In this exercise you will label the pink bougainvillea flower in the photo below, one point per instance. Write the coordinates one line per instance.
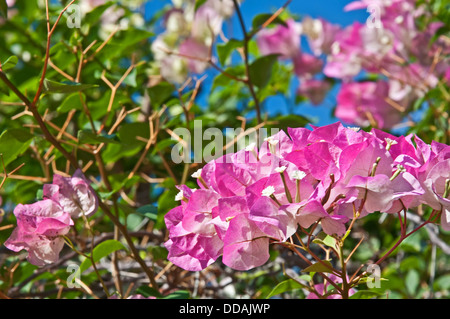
(313, 89)
(320, 34)
(197, 215)
(198, 50)
(40, 227)
(437, 185)
(322, 176)
(282, 40)
(312, 211)
(275, 223)
(363, 104)
(245, 245)
(380, 191)
(307, 65)
(74, 194)
(189, 250)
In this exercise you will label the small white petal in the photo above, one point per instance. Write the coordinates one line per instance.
(269, 190)
(179, 196)
(280, 169)
(390, 142)
(197, 174)
(298, 175)
(250, 147)
(271, 140)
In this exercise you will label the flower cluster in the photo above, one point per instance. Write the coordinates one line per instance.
(390, 45)
(41, 225)
(326, 176)
(184, 46)
(285, 40)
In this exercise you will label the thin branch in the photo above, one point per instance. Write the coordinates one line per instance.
(249, 82)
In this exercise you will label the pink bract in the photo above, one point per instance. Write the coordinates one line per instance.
(39, 229)
(283, 40)
(74, 194)
(303, 178)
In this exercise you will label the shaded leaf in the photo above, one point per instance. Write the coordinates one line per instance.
(3, 9)
(319, 267)
(284, 286)
(149, 211)
(180, 294)
(283, 122)
(147, 291)
(260, 19)
(160, 93)
(366, 294)
(100, 251)
(14, 142)
(10, 62)
(224, 50)
(88, 137)
(261, 70)
(71, 102)
(325, 239)
(412, 281)
(65, 87)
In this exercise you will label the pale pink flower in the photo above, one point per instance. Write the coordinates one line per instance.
(364, 104)
(39, 231)
(282, 40)
(74, 194)
(313, 89)
(307, 65)
(196, 50)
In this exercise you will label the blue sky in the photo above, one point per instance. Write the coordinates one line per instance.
(330, 10)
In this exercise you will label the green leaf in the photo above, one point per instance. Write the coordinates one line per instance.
(65, 87)
(412, 281)
(260, 19)
(325, 239)
(129, 131)
(94, 15)
(100, 251)
(199, 3)
(71, 102)
(319, 267)
(10, 62)
(284, 286)
(163, 144)
(4, 88)
(149, 211)
(224, 80)
(224, 50)
(3, 9)
(147, 291)
(160, 93)
(180, 294)
(128, 37)
(283, 122)
(89, 137)
(366, 294)
(14, 142)
(442, 283)
(261, 70)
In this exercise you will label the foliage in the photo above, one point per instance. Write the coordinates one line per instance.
(98, 97)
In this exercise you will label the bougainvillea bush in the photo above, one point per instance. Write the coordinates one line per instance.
(144, 154)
